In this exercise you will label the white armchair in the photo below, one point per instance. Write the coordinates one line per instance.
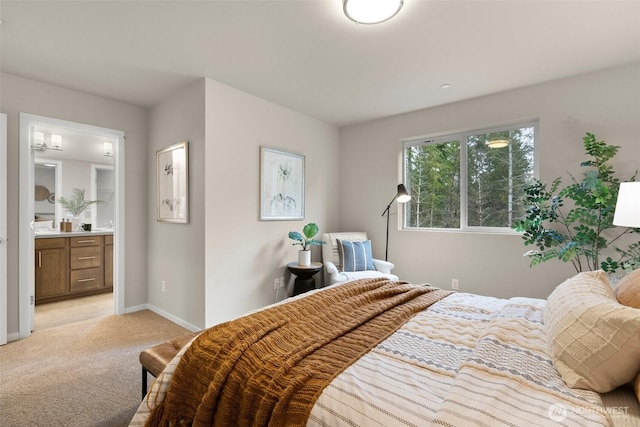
(332, 265)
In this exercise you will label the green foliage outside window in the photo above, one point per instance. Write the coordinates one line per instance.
(496, 180)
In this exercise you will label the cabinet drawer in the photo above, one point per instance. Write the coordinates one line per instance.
(47, 243)
(85, 257)
(86, 241)
(84, 280)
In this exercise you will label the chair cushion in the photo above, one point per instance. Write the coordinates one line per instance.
(355, 256)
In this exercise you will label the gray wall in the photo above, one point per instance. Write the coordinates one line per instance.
(27, 96)
(606, 103)
(176, 251)
(245, 255)
(223, 263)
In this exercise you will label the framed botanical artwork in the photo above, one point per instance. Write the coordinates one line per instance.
(281, 185)
(172, 183)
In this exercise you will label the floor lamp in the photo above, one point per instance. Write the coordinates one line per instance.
(402, 196)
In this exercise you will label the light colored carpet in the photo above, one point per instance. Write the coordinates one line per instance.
(83, 374)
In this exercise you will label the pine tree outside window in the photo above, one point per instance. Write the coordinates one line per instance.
(459, 181)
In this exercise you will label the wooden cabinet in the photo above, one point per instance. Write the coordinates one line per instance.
(108, 260)
(51, 267)
(69, 267)
(86, 264)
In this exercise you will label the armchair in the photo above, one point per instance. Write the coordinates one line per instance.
(332, 264)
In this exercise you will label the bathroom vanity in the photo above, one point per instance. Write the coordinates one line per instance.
(71, 265)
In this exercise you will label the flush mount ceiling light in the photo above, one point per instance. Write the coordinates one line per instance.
(371, 11)
(498, 143)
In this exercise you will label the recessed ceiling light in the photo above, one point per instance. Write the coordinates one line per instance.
(445, 86)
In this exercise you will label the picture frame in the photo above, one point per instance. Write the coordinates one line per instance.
(281, 185)
(172, 183)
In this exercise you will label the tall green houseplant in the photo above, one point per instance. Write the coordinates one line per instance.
(580, 232)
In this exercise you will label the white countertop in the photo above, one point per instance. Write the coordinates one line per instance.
(45, 234)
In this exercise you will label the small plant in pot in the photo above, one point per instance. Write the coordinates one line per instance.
(305, 240)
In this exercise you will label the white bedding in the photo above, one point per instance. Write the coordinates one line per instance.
(466, 360)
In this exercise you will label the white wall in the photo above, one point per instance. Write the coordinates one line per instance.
(606, 103)
(243, 255)
(28, 96)
(176, 251)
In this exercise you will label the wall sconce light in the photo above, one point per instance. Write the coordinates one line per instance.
(40, 145)
(107, 149)
(38, 139)
(371, 11)
(56, 142)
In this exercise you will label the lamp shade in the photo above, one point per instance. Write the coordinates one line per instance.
(107, 149)
(627, 212)
(38, 138)
(371, 11)
(56, 142)
(403, 195)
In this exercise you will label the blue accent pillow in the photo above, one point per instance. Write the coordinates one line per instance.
(355, 256)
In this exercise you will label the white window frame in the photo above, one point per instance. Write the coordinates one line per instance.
(461, 137)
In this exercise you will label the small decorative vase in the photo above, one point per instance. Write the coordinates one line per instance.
(304, 258)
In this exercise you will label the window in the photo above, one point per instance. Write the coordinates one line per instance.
(472, 180)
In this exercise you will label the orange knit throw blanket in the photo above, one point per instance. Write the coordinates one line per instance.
(268, 368)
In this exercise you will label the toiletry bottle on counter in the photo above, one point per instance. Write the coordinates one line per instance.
(62, 227)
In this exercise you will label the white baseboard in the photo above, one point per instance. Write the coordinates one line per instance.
(164, 314)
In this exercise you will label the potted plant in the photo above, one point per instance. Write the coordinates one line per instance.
(76, 204)
(581, 232)
(305, 240)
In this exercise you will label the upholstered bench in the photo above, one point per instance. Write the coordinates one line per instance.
(156, 358)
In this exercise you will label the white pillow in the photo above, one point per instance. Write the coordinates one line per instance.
(594, 340)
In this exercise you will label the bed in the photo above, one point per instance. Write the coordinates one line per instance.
(411, 355)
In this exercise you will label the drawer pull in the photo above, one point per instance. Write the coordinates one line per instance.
(86, 280)
(85, 257)
(86, 241)
(39, 259)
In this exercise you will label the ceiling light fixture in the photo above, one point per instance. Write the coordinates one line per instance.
(371, 11)
(498, 143)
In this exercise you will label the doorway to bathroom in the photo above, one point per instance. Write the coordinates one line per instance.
(86, 259)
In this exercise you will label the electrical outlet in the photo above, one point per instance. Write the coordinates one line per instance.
(164, 286)
(276, 283)
(282, 283)
(455, 284)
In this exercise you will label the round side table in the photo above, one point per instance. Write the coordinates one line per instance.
(304, 276)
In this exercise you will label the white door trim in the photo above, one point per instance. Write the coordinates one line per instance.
(26, 242)
(3, 229)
